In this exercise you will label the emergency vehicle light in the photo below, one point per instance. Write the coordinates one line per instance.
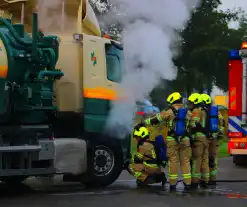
(244, 45)
(235, 134)
(140, 113)
(234, 54)
(107, 36)
(77, 37)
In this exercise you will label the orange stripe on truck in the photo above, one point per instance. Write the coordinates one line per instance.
(3, 71)
(100, 93)
(233, 98)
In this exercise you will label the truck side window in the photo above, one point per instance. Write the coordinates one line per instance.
(113, 68)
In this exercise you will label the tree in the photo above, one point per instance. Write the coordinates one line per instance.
(101, 8)
(206, 41)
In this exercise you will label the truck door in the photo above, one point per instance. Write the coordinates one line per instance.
(102, 66)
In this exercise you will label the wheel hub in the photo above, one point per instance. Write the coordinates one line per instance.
(103, 161)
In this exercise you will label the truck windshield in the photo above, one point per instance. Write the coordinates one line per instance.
(114, 62)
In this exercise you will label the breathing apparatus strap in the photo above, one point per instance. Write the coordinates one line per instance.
(198, 127)
(171, 131)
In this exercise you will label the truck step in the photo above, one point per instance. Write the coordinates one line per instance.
(23, 148)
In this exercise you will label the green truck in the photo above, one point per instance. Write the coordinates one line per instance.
(55, 97)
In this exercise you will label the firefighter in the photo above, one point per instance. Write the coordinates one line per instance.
(178, 147)
(200, 163)
(145, 166)
(213, 140)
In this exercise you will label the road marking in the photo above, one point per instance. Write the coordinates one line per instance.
(133, 180)
(110, 192)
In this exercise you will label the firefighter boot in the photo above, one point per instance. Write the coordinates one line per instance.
(161, 177)
(187, 187)
(194, 186)
(146, 182)
(203, 184)
(212, 183)
(139, 183)
(172, 188)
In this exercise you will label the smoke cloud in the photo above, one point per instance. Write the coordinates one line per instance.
(58, 15)
(149, 34)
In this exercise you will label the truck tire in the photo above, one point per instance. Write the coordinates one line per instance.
(13, 180)
(105, 163)
(240, 160)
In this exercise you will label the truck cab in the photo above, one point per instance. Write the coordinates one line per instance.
(90, 68)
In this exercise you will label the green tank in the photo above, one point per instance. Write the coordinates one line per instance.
(27, 73)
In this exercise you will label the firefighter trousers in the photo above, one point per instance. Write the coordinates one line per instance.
(213, 162)
(179, 156)
(142, 171)
(200, 160)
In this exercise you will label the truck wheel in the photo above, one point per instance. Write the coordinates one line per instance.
(13, 180)
(240, 160)
(105, 164)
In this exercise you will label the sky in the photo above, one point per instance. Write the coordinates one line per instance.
(231, 4)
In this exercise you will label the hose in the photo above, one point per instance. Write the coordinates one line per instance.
(224, 181)
(231, 181)
(17, 38)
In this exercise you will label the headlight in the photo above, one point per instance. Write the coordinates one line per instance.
(56, 41)
(78, 37)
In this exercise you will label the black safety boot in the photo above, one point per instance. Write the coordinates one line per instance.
(187, 187)
(161, 178)
(194, 186)
(164, 181)
(212, 183)
(203, 184)
(172, 188)
(148, 180)
(139, 183)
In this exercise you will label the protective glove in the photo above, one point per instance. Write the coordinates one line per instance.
(137, 160)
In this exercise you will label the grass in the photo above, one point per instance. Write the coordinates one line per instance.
(222, 148)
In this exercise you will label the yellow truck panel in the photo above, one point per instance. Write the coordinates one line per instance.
(221, 100)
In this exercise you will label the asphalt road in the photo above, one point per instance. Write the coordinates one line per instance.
(44, 193)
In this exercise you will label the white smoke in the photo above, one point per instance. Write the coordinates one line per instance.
(53, 15)
(216, 91)
(149, 32)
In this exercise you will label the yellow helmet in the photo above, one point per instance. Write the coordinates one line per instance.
(195, 98)
(173, 97)
(206, 98)
(142, 132)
